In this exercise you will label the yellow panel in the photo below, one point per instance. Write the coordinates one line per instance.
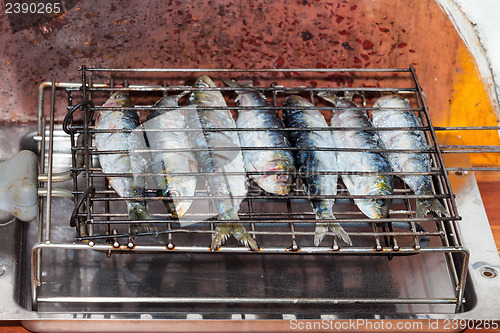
(470, 106)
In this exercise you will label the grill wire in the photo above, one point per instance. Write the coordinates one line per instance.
(280, 224)
(289, 220)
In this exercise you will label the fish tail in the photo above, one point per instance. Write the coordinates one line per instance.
(322, 229)
(320, 232)
(433, 205)
(339, 231)
(137, 210)
(223, 230)
(324, 212)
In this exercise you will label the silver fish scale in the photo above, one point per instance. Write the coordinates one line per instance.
(263, 160)
(361, 161)
(210, 161)
(166, 162)
(309, 161)
(121, 163)
(410, 162)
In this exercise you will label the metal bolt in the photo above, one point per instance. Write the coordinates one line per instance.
(488, 272)
(2, 269)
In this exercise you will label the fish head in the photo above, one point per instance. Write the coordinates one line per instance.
(177, 207)
(118, 98)
(206, 97)
(278, 183)
(377, 208)
(294, 101)
(178, 187)
(204, 81)
(392, 101)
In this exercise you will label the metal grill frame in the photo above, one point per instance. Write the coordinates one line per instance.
(456, 255)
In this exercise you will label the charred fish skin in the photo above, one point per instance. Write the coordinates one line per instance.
(168, 162)
(407, 162)
(278, 159)
(361, 161)
(227, 189)
(126, 186)
(309, 161)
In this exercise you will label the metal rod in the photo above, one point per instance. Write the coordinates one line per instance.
(241, 107)
(463, 280)
(239, 249)
(294, 220)
(253, 129)
(478, 168)
(467, 128)
(96, 173)
(37, 268)
(227, 149)
(378, 245)
(272, 197)
(56, 177)
(247, 215)
(56, 192)
(245, 300)
(50, 162)
(87, 139)
(250, 70)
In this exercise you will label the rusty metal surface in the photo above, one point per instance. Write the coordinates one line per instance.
(226, 34)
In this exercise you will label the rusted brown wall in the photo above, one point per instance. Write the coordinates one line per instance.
(218, 33)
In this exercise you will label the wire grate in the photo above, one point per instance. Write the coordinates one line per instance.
(278, 223)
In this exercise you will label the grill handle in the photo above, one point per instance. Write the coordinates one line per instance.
(19, 185)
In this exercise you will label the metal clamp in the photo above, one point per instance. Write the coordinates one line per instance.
(69, 116)
(88, 191)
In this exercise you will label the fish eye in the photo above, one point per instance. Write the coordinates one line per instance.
(173, 193)
(380, 202)
(283, 178)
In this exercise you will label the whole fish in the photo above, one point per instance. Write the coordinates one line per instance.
(132, 163)
(167, 162)
(407, 162)
(309, 161)
(276, 159)
(227, 190)
(361, 161)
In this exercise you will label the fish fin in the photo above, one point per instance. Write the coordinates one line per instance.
(328, 96)
(231, 83)
(433, 205)
(320, 232)
(322, 229)
(339, 231)
(224, 230)
(182, 94)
